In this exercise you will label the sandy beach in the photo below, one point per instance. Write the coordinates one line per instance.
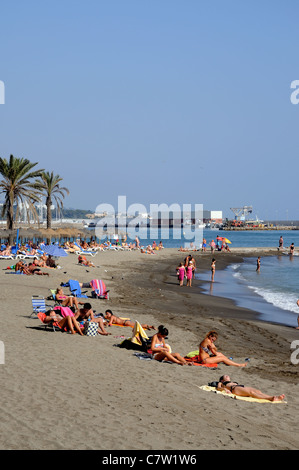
(63, 391)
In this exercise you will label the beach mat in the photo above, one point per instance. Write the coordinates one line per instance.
(197, 362)
(207, 388)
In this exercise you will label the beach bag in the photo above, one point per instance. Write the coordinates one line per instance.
(91, 329)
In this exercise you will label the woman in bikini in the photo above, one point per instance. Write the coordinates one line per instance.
(114, 320)
(213, 268)
(225, 383)
(208, 353)
(66, 300)
(162, 351)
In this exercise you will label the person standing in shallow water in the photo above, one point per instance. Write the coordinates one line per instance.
(258, 264)
(213, 268)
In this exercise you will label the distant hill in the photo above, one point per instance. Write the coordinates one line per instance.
(76, 213)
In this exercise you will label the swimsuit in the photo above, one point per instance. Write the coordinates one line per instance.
(189, 272)
(181, 273)
(233, 386)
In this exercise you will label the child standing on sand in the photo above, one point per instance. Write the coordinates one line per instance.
(189, 271)
(181, 273)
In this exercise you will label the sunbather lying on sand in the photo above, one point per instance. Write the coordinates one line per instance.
(225, 383)
(114, 320)
(84, 262)
(30, 270)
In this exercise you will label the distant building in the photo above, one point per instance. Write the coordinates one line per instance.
(215, 217)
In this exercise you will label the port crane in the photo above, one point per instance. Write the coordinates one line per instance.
(241, 212)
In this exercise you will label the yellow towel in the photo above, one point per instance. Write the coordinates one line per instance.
(207, 388)
(138, 332)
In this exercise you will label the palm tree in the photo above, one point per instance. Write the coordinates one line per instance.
(49, 185)
(17, 186)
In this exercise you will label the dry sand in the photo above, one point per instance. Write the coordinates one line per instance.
(63, 391)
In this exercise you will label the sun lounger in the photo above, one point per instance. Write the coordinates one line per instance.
(50, 325)
(81, 251)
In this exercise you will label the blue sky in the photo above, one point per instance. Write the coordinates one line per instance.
(161, 101)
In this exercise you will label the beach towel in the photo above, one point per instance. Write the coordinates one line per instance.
(207, 388)
(139, 335)
(64, 311)
(99, 289)
(139, 340)
(75, 288)
(196, 361)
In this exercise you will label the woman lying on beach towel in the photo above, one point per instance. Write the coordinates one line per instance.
(225, 383)
(114, 320)
(208, 352)
(162, 351)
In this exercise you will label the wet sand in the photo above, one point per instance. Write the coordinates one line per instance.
(63, 391)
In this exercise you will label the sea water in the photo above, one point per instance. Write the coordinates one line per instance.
(272, 292)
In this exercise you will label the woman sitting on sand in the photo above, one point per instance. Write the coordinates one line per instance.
(225, 383)
(114, 320)
(68, 323)
(208, 352)
(66, 300)
(162, 351)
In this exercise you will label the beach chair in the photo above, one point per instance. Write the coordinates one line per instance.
(52, 296)
(39, 305)
(90, 252)
(50, 325)
(7, 257)
(99, 290)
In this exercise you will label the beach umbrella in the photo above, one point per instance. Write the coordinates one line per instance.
(225, 240)
(54, 250)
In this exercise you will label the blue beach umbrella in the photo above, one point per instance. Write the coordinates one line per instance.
(54, 250)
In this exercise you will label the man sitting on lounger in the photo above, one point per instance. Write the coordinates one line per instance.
(225, 383)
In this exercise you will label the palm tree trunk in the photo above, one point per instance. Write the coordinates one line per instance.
(49, 213)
